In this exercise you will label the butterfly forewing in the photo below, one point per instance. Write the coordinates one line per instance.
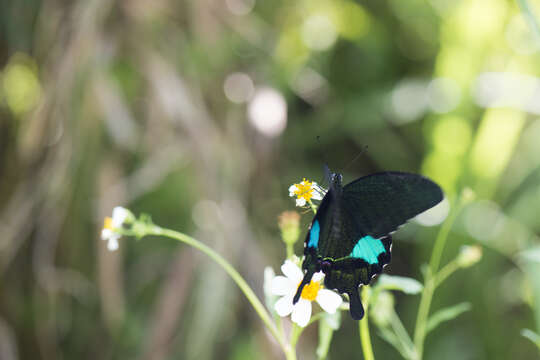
(338, 233)
(381, 202)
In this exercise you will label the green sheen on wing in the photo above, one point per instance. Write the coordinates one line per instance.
(368, 249)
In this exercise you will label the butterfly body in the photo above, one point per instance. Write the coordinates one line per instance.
(349, 238)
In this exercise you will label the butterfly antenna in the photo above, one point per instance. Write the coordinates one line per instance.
(326, 170)
(363, 151)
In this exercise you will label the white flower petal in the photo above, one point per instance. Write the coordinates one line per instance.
(112, 245)
(301, 312)
(319, 190)
(318, 276)
(119, 215)
(106, 234)
(300, 202)
(315, 195)
(281, 286)
(269, 276)
(292, 271)
(292, 190)
(329, 300)
(284, 306)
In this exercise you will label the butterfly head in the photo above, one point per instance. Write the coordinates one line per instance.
(335, 182)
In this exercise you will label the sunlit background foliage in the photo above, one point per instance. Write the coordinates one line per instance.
(203, 112)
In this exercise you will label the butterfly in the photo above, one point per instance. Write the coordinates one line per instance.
(349, 238)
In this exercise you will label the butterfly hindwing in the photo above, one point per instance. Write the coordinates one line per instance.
(366, 260)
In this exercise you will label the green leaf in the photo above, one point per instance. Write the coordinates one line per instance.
(405, 284)
(446, 314)
(531, 335)
(392, 339)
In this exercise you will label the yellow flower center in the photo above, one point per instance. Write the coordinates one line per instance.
(303, 190)
(310, 291)
(107, 224)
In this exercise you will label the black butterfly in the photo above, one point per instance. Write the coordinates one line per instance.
(349, 238)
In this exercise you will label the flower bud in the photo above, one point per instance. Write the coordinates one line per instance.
(467, 195)
(289, 224)
(469, 255)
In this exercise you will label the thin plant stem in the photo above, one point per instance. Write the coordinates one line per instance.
(430, 280)
(237, 278)
(315, 318)
(440, 241)
(313, 206)
(423, 312)
(290, 250)
(363, 325)
(296, 332)
(445, 272)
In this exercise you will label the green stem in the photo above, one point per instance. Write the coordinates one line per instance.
(430, 281)
(325, 338)
(442, 236)
(290, 250)
(290, 353)
(296, 331)
(237, 278)
(363, 325)
(313, 206)
(445, 272)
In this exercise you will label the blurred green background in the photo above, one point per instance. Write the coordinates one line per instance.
(203, 112)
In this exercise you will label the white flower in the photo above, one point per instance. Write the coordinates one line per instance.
(119, 216)
(286, 286)
(109, 234)
(111, 226)
(305, 191)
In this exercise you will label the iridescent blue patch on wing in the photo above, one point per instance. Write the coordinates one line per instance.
(314, 234)
(368, 249)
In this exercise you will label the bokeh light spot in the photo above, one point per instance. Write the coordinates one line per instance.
(452, 135)
(497, 136)
(444, 95)
(267, 112)
(442, 168)
(319, 32)
(238, 87)
(409, 100)
(310, 86)
(21, 85)
(353, 22)
(240, 7)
